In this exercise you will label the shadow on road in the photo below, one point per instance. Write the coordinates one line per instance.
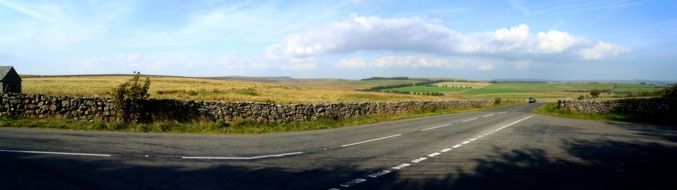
(598, 164)
(21, 171)
(666, 131)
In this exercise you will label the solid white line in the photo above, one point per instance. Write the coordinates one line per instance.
(469, 119)
(456, 146)
(419, 159)
(380, 173)
(376, 139)
(445, 150)
(399, 167)
(59, 153)
(473, 139)
(434, 154)
(353, 182)
(241, 158)
(487, 115)
(435, 127)
(465, 142)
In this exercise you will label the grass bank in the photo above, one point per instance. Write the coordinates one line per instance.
(241, 127)
(551, 109)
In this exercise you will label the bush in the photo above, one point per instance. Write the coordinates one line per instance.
(497, 101)
(581, 97)
(130, 97)
(595, 93)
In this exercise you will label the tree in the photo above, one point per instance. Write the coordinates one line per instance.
(129, 98)
(595, 93)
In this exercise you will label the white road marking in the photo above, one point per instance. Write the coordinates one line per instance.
(417, 160)
(241, 158)
(353, 182)
(434, 154)
(376, 139)
(487, 115)
(469, 119)
(380, 173)
(431, 128)
(399, 167)
(403, 165)
(500, 112)
(334, 189)
(58, 153)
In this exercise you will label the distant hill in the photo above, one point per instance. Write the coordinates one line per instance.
(387, 78)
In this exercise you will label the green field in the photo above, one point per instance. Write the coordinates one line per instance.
(429, 89)
(635, 88)
(526, 90)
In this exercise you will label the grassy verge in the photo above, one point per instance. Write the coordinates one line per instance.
(241, 127)
(551, 109)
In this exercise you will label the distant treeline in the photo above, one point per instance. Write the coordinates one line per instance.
(413, 93)
(387, 78)
(515, 81)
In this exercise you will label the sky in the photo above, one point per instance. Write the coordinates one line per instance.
(351, 39)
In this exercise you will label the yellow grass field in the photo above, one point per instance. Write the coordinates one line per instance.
(208, 89)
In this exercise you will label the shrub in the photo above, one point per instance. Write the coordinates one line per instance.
(497, 101)
(595, 93)
(130, 97)
(581, 97)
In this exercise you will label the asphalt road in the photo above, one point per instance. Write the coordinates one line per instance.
(508, 148)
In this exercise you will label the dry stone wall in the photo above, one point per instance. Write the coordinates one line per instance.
(659, 106)
(82, 108)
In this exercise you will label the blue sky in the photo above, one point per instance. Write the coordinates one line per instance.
(559, 40)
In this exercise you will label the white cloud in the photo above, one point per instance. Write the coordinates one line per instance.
(555, 41)
(359, 33)
(602, 50)
(351, 63)
(434, 62)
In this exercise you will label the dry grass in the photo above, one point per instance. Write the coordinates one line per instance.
(207, 89)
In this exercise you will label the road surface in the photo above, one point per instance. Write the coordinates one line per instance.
(507, 148)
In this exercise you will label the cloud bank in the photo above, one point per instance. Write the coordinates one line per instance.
(370, 33)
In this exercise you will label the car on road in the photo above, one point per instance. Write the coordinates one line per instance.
(532, 100)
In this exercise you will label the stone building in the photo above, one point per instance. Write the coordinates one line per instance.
(10, 81)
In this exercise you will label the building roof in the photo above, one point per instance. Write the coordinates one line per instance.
(4, 70)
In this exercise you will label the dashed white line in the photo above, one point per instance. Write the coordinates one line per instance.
(58, 153)
(353, 182)
(469, 119)
(417, 160)
(434, 154)
(380, 173)
(431, 128)
(372, 140)
(488, 115)
(399, 167)
(403, 165)
(241, 158)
